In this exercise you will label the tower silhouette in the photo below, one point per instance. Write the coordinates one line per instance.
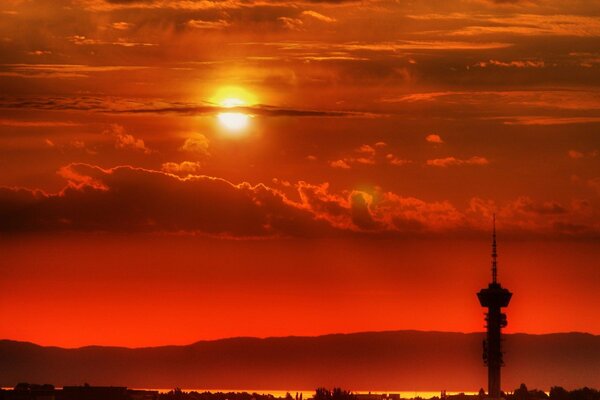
(494, 297)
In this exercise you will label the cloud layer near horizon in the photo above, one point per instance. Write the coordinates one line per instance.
(129, 199)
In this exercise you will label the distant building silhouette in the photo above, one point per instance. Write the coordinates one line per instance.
(87, 392)
(494, 297)
(27, 391)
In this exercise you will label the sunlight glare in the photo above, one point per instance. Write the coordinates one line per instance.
(232, 97)
(233, 121)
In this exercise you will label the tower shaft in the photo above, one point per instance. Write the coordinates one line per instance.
(494, 297)
(494, 351)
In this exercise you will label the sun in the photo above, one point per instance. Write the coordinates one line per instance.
(234, 121)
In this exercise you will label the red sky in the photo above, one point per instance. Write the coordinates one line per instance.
(73, 290)
(379, 138)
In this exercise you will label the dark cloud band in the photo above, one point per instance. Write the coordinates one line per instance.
(123, 106)
(129, 199)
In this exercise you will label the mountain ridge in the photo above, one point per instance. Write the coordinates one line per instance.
(384, 360)
(290, 337)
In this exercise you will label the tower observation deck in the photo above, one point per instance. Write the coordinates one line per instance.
(494, 297)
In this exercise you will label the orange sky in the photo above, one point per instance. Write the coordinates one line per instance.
(380, 138)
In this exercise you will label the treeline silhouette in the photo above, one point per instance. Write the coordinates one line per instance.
(178, 394)
(320, 394)
(335, 394)
(520, 393)
(556, 393)
(25, 391)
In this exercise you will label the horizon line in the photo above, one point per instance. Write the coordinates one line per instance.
(283, 337)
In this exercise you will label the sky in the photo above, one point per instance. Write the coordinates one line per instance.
(182, 170)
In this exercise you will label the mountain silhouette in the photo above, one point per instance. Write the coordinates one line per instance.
(386, 361)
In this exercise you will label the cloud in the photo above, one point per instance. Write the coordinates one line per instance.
(81, 40)
(523, 99)
(340, 164)
(361, 213)
(324, 205)
(51, 71)
(202, 24)
(121, 25)
(366, 149)
(69, 146)
(78, 178)
(525, 205)
(39, 53)
(195, 5)
(318, 16)
(197, 144)
(125, 141)
(512, 64)
(433, 138)
(531, 25)
(393, 160)
(129, 199)
(452, 161)
(298, 23)
(391, 47)
(78, 144)
(509, 1)
(117, 105)
(508, 107)
(546, 218)
(549, 120)
(138, 200)
(367, 154)
(412, 215)
(36, 124)
(184, 168)
(586, 59)
(293, 24)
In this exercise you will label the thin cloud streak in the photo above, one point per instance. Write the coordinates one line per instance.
(129, 106)
(550, 120)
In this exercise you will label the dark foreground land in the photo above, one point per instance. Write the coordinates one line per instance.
(388, 361)
(25, 391)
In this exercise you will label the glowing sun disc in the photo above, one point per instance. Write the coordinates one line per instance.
(233, 121)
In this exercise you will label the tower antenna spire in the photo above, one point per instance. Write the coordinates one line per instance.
(494, 253)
